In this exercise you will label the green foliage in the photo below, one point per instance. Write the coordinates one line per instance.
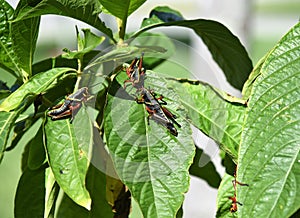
(85, 45)
(225, 192)
(24, 37)
(271, 135)
(226, 49)
(8, 59)
(220, 120)
(86, 11)
(68, 162)
(36, 85)
(120, 8)
(109, 155)
(151, 146)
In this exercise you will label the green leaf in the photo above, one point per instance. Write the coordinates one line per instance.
(203, 168)
(30, 195)
(269, 153)
(162, 14)
(7, 121)
(86, 11)
(67, 160)
(24, 36)
(214, 116)
(85, 45)
(83, 130)
(91, 40)
(247, 88)
(225, 191)
(121, 8)
(8, 59)
(118, 56)
(148, 159)
(225, 48)
(34, 86)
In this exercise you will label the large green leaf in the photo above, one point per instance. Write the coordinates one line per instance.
(225, 48)
(148, 159)
(86, 11)
(121, 8)
(69, 162)
(36, 85)
(8, 60)
(215, 116)
(269, 153)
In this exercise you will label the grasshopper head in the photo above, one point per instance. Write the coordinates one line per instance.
(172, 129)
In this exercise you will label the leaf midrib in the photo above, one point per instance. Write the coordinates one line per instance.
(148, 154)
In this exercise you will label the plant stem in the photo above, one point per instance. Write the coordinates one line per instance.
(122, 27)
(78, 74)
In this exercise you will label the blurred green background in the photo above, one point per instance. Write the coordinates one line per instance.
(268, 22)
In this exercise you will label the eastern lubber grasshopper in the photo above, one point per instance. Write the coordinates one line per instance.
(156, 111)
(70, 106)
(136, 73)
